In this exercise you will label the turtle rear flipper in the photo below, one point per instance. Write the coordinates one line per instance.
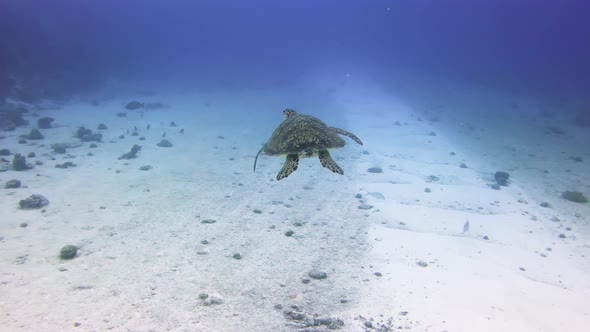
(289, 167)
(329, 163)
(348, 134)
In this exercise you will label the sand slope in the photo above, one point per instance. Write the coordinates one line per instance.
(143, 262)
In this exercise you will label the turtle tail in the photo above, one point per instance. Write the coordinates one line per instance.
(256, 159)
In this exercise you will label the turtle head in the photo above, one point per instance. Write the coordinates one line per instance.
(287, 112)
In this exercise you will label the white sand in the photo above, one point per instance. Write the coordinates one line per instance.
(142, 266)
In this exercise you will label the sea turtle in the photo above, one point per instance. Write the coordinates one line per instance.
(301, 135)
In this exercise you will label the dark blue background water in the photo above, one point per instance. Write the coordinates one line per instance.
(57, 48)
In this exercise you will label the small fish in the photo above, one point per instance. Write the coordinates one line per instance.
(466, 226)
(134, 128)
(148, 127)
(164, 134)
(127, 131)
(182, 130)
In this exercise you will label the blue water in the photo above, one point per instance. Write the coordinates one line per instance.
(59, 48)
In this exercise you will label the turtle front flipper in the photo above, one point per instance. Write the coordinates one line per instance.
(348, 134)
(256, 159)
(329, 163)
(289, 167)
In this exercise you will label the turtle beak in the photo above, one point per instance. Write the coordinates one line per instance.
(287, 112)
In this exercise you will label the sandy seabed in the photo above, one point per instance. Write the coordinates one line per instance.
(405, 260)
